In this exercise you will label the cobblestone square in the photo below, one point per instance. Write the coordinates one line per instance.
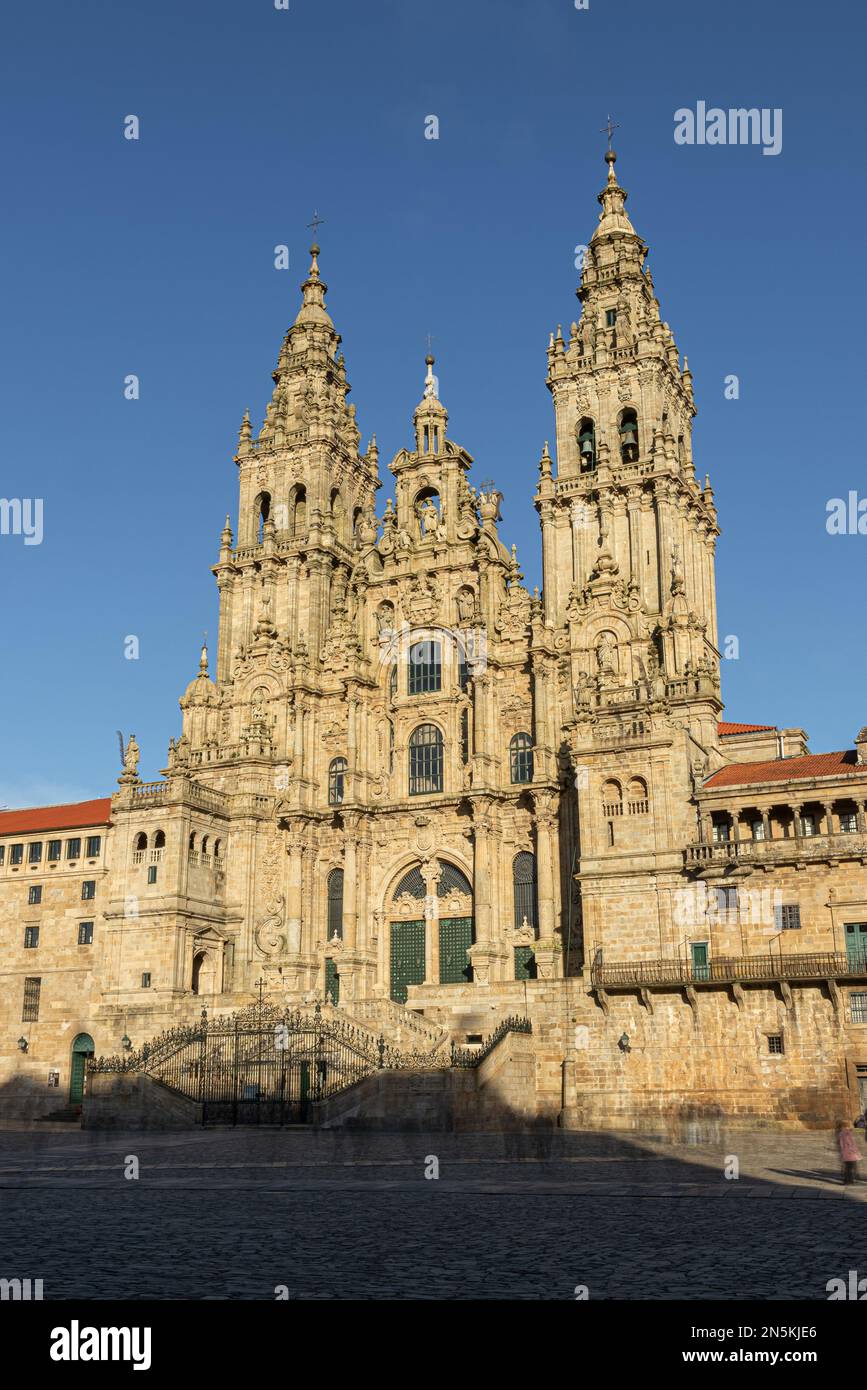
(236, 1214)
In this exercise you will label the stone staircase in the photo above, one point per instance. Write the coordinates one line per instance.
(70, 1115)
(401, 1028)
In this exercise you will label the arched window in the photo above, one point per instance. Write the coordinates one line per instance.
(335, 904)
(629, 436)
(452, 880)
(411, 883)
(299, 511)
(521, 758)
(192, 840)
(141, 840)
(465, 736)
(392, 683)
(425, 667)
(337, 512)
(204, 844)
(160, 839)
(587, 444)
(337, 781)
(356, 518)
(425, 760)
(218, 849)
(263, 507)
(524, 885)
(612, 798)
(636, 797)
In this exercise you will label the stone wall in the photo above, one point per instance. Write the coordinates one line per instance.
(126, 1100)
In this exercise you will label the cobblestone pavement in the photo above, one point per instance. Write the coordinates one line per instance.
(236, 1213)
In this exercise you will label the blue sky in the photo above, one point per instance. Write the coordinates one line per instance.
(156, 258)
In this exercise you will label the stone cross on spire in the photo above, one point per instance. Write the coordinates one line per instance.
(609, 129)
(316, 224)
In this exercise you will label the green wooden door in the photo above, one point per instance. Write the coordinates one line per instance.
(856, 945)
(456, 938)
(407, 957)
(332, 981)
(525, 963)
(82, 1048)
(700, 967)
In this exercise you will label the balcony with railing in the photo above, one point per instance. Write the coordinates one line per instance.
(723, 970)
(793, 849)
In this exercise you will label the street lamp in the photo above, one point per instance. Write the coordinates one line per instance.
(623, 1042)
(22, 1044)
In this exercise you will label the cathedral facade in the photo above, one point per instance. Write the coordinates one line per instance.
(408, 788)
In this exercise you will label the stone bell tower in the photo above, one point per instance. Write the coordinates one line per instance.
(624, 408)
(304, 488)
(628, 537)
(625, 509)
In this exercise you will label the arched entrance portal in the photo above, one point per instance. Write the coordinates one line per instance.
(431, 928)
(82, 1048)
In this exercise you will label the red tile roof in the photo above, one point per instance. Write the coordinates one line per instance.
(841, 764)
(80, 813)
(726, 730)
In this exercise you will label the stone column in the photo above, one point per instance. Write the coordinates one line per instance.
(548, 952)
(860, 808)
(350, 879)
(431, 873)
(485, 955)
(294, 896)
(796, 820)
(224, 642)
(829, 818)
(766, 824)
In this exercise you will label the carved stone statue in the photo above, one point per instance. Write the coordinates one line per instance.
(130, 759)
(466, 605)
(429, 518)
(606, 654)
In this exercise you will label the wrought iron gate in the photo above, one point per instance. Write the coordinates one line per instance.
(264, 1066)
(259, 1066)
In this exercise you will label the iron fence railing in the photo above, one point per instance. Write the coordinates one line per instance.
(472, 1056)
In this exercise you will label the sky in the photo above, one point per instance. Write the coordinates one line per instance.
(155, 257)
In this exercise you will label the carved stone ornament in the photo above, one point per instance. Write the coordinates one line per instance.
(269, 936)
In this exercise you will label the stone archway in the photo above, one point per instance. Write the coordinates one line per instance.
(204, 973)
(429, 912)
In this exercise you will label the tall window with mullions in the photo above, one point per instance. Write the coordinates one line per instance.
(337, 781)
(425, 668)
(335, 904)
(425, 760)
(524, 884)
(521, 758)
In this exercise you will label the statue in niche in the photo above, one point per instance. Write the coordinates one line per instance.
(429, 517)
(606, 654)
(257, 706)
(466, 605)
